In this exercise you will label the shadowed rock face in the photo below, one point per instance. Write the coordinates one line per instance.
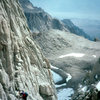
(22, 65)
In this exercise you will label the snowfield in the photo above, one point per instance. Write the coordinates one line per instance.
(72, 55)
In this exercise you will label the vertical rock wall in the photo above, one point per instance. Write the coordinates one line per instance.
(22, 65)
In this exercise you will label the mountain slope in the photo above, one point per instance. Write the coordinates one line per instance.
(22, 64)
(38, 19)
(74, 29)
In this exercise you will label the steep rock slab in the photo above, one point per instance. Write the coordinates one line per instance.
(22, 65)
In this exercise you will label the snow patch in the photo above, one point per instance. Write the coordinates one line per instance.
(84, 89)
(69, 77)
(65, 94)
(1, 63)
(54, 67)
(98, 86)
(57, 86)
(96, 76)
(56, 77)
(94, 56)
(72, 55)
(29, 7)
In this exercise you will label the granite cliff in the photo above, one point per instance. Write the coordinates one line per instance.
(22, 64)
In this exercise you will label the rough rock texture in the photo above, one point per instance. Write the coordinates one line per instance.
(90, 80)
(91, 94)
(38, 20)
(22, 65)
(94, 75)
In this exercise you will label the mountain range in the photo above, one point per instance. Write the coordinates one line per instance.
(40, 21)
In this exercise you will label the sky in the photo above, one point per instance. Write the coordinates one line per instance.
(70, 8)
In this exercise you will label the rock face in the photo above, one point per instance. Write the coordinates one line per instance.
(38, 20)
(74, 29)
(22, 65)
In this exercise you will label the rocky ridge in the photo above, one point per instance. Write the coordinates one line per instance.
(22, 65)
(38, 20)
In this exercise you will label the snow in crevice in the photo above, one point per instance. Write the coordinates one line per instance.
(72, 55)
(69, 77)
(96, 76)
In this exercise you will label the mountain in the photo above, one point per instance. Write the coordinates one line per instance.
(74, 29)
(56, 42)
(71, 56)
(22, 64)
(38, 20)
(91, 27)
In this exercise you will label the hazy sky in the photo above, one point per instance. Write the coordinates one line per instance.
(70, 8)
